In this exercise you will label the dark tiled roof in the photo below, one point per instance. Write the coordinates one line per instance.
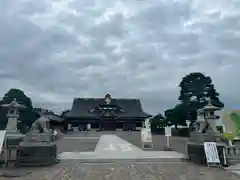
(88, 107)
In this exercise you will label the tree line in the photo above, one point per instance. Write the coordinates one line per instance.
(195, 90)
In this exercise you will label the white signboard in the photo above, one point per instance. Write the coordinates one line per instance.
(211, 153)
(168, 131)
(146, 135)
(2, 139)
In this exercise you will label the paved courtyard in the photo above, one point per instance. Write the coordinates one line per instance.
(112, 148)
(86, 141)
(77, 169)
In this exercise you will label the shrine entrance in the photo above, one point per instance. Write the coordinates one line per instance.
(109, 126)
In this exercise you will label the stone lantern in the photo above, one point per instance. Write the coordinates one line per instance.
(12, 114)
(207, 118)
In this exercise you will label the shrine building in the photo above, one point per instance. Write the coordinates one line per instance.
(106, 114)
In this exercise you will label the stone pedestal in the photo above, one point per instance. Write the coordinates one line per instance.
(36, 154)
(39, 137)
(11, 144)
(195, 147)
(13, 140)
(37, 149)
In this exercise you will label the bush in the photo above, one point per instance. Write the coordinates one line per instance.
(182, 132)
(219, 129)
(158, 131)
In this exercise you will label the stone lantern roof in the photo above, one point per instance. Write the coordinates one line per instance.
(210, 107)
(14, 104)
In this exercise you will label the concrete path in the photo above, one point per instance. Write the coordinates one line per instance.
(234, 168)
(111, 148)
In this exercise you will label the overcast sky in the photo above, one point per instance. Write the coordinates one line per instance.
(60, 49)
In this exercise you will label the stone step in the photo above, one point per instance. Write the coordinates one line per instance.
(92, 157)
(234, 160)
(147, 160)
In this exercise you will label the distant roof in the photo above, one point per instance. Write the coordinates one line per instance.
(96, 107)
(48, 114)
(54, 117)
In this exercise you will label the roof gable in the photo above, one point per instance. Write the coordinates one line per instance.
(99, 107)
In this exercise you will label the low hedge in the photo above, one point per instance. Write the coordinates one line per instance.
(182, 132)
(158, 131)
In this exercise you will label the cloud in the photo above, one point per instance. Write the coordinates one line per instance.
(58, 50)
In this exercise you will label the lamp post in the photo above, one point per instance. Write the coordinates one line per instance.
(12, 114)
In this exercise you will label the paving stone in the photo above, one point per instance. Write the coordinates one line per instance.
(131, 171)
(77, 170)
(112, 148)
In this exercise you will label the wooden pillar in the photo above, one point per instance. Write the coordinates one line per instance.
(100, 126)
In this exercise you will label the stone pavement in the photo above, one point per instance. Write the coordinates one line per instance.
(88, 140)
(76, 169)
(235, 169)
(111, 148)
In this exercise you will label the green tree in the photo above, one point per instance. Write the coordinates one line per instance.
(26, 116)
(157, 122)
(178, 115)
(196, 89)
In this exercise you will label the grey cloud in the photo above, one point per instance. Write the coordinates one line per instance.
(113, 28)
(143, 55)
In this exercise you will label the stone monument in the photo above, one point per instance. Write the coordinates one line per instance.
(38, 147)
(168, 134)
(205, 132)
(146, 135)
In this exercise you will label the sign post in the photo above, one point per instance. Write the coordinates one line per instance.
(168, 134)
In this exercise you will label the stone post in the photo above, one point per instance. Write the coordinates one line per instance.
(168, 134)
(69, 127)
